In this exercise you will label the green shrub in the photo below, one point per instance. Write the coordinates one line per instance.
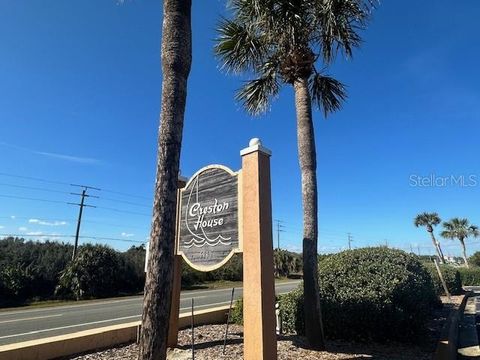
(95, 273)
(291, 309)
(375, 294)
(131, 275)
(286, 263)
(15, 284)
(30, 269)
(191, 276)
(470, 276)
(450, 275)
(474, 259)
(231, 271)
(237, 312)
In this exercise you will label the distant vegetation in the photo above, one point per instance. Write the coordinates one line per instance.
(32, 271)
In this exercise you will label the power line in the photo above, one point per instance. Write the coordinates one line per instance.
(350, 239)
(87, 187)
(125, 194)
(113, 239)
(124, 202)
(122, 211)
(32, 199)
(64, 202)
(71, 220)
(33, 188)
(114, 225)
(279, 230)
(72, 236)
(33, 178)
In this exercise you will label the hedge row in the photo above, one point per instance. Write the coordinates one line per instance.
(367, 294)
(470, 276)
(450, 274)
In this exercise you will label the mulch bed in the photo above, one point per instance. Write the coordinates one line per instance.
(209, 345)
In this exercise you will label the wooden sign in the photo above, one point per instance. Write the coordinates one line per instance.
(208, 234)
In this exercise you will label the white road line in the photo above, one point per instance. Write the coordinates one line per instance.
(205, 305)
(51, 308)
(187, 295)
(31, 318)
(69, 326)
(97, 322)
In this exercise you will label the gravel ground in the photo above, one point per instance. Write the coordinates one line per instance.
(209, 345)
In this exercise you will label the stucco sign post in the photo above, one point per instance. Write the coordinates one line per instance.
(220, 213)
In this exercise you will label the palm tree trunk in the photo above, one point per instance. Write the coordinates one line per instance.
(464, 251)
(176, 61)
(440, 250)
(308, 165)
(437, 247)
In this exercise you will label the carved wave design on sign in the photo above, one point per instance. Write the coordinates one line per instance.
(199, 240)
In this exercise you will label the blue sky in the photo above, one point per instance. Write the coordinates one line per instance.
(79, 103)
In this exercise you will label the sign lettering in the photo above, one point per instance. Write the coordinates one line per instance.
(208, 215)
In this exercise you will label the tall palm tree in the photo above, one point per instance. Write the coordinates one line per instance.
(460, 229)
(290, 42)
(429, 220)
(176, 62)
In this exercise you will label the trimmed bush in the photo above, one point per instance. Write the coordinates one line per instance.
(367, 294)
(291, 309)
(451, 277)
(375, 294)
(237, 312)
(474, 259)
(470, 276)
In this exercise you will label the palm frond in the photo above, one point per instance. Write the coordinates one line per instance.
(425, 219)
(327, 93)
(251, 9)
(238, 46)
(256, 94)
(339, 22)
(448, 234)
(460, 229)
(473, 231)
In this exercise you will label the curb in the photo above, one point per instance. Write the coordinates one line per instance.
(448, 343)
(96, 339)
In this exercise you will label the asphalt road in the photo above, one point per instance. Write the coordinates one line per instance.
(30, 324)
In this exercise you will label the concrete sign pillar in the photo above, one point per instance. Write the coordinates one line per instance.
(221, 212)
(260, 340)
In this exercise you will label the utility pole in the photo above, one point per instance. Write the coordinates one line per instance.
(411, 248)
(350, 239)
(386, 243)
(80, 212)
(279, 230)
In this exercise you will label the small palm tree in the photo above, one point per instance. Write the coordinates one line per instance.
(460, 229)
(290, 42)
(429, 220)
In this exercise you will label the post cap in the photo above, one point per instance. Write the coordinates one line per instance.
(254, 145)
(254, 141)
